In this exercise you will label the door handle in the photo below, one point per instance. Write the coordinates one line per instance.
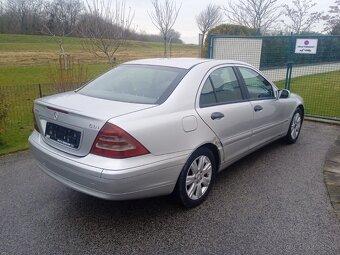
(217, 115)
(258, 108)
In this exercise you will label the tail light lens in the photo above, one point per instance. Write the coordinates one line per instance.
(114, 142)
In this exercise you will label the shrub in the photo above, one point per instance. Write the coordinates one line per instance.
(67, 74)
(228, 29)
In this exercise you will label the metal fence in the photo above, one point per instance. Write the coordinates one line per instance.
(307, 65)
(17, 100)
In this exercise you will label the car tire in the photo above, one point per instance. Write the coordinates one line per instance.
(196, 179)
(294, 127)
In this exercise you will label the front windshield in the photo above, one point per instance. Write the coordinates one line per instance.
(142, 84)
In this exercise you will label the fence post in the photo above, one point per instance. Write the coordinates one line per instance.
(210, 46)
(288, 75)
(40, 93)
(290, 62)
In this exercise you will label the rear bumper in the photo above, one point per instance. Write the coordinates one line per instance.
(139, 177)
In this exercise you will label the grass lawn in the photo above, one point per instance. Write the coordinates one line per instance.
(18, 125)
(24, 50)
(319, 100)
(40, 74)
(321, 93)
(26, 61)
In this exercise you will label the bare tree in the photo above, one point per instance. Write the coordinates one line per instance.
(164, 16)
(24, 15)
(259, 14)
(61, 18)
(105, 27)
(208, 18)
(2, 16)
(19, 10)
(301, 17)
(2, 7)
(333, 18)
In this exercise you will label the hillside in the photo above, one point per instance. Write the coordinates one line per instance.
(19, 50)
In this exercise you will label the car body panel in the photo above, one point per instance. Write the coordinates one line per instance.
(267, 123)
(170, 131)
(89, 174)
(81, 113)
(234, 129)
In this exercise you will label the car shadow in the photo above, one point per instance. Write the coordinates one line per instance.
(243, 163)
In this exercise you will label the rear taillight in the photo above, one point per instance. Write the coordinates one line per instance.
(35, 121)
(114, 142)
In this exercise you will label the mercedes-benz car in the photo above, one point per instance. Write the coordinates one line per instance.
(158, 126)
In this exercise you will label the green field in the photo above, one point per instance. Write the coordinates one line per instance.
(27, 50)
(19, 95)
(10, 42)
(39, 74)
(29, 60)
(26, 61)
(319, 100)
(321, 93)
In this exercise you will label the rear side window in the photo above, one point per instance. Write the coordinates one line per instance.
(257, 86)
(208, 95)
(220, 87)
(142, 84)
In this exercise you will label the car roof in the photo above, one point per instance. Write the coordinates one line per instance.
(185, 63)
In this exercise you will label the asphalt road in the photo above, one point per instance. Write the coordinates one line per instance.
(271, 202)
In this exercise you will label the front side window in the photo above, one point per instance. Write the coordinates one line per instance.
(142, 84)
(257, 86)
(220, 87)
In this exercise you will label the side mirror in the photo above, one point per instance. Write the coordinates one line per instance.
(284, 93)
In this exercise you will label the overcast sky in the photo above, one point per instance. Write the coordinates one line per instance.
(186, 23)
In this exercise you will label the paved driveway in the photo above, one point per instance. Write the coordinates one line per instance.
(272, 202)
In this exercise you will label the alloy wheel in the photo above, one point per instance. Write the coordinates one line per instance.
(198, 177)
(295, 126)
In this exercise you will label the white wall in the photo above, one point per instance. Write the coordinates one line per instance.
(242, 49)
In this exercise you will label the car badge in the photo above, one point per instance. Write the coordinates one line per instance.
(56, 114)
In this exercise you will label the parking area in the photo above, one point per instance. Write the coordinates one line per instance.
(274, 201)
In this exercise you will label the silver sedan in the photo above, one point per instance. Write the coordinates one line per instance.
(159, 126)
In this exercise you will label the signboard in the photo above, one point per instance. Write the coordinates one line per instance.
(306, 46)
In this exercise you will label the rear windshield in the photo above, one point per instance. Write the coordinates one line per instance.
(142, 84)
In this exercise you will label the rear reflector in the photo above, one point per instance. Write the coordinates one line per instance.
(114, 142)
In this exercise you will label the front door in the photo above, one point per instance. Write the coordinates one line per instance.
(224, 108)
(268, 111)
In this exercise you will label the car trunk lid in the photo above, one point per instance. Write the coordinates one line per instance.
(70, 121)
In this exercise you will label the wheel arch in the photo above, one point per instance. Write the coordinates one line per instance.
(215, 151)
(180, 191)
(302, 108)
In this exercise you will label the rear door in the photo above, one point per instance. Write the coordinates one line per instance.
(223, 107)
(268, 111)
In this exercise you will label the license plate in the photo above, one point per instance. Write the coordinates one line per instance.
(63, 135)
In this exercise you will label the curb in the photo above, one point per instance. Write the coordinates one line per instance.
(331, 173)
